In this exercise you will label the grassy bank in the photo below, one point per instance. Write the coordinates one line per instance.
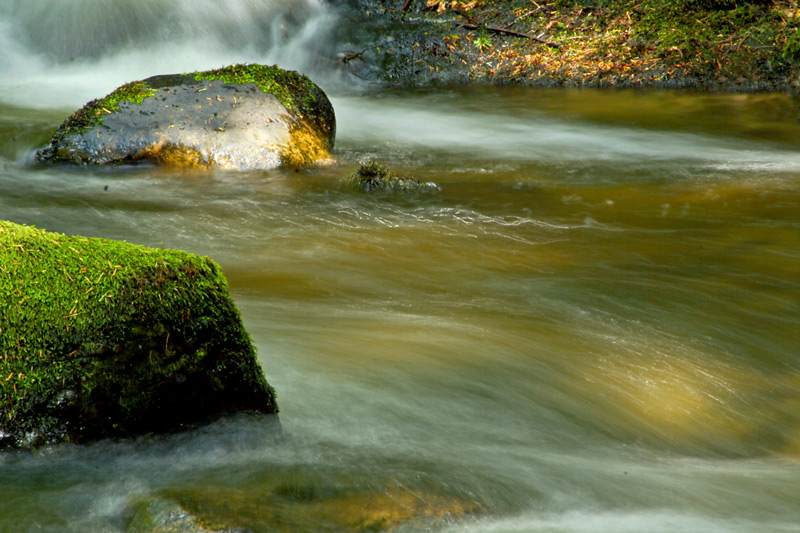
(707, 44)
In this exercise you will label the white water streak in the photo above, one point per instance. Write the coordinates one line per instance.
(64, 53)
(421, 123)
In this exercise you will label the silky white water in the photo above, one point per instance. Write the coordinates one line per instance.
(592, 325)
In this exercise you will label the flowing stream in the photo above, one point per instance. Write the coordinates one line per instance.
(591, 326)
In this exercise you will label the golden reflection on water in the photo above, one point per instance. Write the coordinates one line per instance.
(688, 402)
(311, 506)
(644, 308)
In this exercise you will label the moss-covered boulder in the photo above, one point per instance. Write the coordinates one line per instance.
(101, 338)
(240, 117)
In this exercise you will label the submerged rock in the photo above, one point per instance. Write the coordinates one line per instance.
(291, 508)
(373, 177)
(103, 339)
(158, 515)
(240, 117)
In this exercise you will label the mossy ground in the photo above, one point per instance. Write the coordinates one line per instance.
(101, 338)
(705, 44)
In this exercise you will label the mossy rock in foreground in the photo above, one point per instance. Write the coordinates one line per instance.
(101, 338)
(240, 117)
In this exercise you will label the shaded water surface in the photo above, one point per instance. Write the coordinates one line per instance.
(592, 326)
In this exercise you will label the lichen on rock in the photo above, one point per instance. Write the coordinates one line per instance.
(243, 117)
(101, 338)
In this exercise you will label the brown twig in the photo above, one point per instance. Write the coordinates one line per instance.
(406, 6)
(345, 57)
(509, 32)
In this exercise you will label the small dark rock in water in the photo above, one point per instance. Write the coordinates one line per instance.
(157, 515)
(373, 177)
(310, 505)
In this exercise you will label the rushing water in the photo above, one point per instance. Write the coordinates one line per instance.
(592, 326)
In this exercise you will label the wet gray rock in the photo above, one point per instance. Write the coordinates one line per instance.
(242, 117)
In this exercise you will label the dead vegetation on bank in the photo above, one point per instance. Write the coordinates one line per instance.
(708, 44)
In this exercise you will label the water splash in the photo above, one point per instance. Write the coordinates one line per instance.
(62, 53)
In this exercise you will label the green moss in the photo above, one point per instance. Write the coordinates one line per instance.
(91, 115)
(713, 37)
(296, 92)
(102, 338)
(373, 177)
(135, 92)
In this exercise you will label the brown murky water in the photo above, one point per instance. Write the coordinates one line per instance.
(591, 326)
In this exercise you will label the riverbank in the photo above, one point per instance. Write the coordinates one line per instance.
(715, 45)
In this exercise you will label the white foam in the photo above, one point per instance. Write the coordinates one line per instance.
(49, 62)
(655, 521)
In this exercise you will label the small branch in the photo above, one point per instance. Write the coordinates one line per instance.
(344, 57)
(509, 32)
(406, 6)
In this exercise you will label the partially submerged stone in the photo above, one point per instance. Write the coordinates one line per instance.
(160, 515)
(291, 508)
(373, 177)
(240, 117)
(101, 338)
